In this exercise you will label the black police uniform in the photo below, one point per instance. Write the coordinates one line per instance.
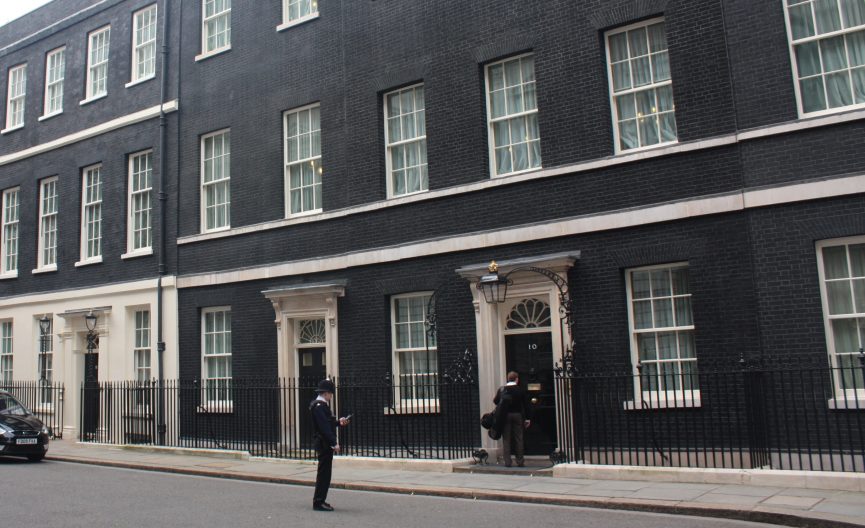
(325, 440)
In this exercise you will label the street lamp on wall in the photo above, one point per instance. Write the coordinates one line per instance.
(494, 286)
(92, 337)
(44, 328)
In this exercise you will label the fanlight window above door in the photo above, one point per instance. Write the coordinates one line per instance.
(311, 332)
(529, 313)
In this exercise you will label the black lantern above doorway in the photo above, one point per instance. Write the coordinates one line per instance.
(495, 289)
(92, 337)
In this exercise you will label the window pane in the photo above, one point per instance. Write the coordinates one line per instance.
(646, 347)
(618, 47)
(801, 21)
(840, 300)
(857, 259)
(660, 283)
(661, 66)
(853, 12)
(835, 262)
(846, 335)
(667, 345)
(683, 311)
(813, 94)
(686, 345)
(833, 53)
(637, 42)
(663, 310)
(828, 18)
(641, 285)
(497, 79)
(642, 315)
(808, 59)
(621, 76)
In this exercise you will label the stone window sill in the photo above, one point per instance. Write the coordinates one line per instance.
(299, 21)
(92, 99)
(137, 253)
(11, 129)
(49, 116)
(206, 55)
(140, 81)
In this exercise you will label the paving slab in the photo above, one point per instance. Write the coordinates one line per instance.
(674, 494)
(721, 498)
(800, 503)
(754, 491)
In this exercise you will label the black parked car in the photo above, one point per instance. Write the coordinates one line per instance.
(21, 433)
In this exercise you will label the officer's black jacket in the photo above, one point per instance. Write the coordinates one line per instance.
(325, 422)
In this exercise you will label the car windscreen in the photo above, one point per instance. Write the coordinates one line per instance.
(10, 406)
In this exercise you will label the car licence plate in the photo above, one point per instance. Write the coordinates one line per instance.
(25, 441)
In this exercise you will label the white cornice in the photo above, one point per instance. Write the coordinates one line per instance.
(108, 126)
(636, 216)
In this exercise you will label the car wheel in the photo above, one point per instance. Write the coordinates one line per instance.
(36, 458)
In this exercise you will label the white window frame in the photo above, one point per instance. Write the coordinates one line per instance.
(288, 22)
(205, 52)
(132, 249)
(16, 97)
(388, 146)
(55, 76)
(10, 234)
(7, 358)
(666, 398)
(91, 214)
(412, 405)
(139, 45)
(311, 159)
(48, 219)
(651, 86)
(141, 345)
(215, 405)
(491, 138)
(844, 398)
(92, 67)
(791, 44)
(225, 179)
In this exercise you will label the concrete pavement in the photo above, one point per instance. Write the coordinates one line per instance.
(772, 504)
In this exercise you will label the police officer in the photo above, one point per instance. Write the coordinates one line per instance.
(326, 442)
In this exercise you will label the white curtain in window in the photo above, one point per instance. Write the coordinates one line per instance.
(853, 12)
(828, 18)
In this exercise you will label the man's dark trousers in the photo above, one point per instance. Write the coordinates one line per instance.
(512, 437)
(322, 477)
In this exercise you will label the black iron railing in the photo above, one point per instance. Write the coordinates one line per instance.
(421, 417)
(43, 398)
(796, 418)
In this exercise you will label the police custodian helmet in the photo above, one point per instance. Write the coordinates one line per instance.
(326, 385)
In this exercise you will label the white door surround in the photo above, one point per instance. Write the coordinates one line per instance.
(490, 319)
(299, 302)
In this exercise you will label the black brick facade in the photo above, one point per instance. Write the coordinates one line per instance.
(753, 272)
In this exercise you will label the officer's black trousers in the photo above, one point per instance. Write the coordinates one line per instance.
(322, 478)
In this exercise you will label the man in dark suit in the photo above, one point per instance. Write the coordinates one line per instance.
(326, 442)
(516, 413)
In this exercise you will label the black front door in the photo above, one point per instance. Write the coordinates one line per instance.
(312, 369)
(90, 405)
(531, 355)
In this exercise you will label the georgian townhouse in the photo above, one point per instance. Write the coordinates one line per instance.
(82, 161)
(665, 194)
